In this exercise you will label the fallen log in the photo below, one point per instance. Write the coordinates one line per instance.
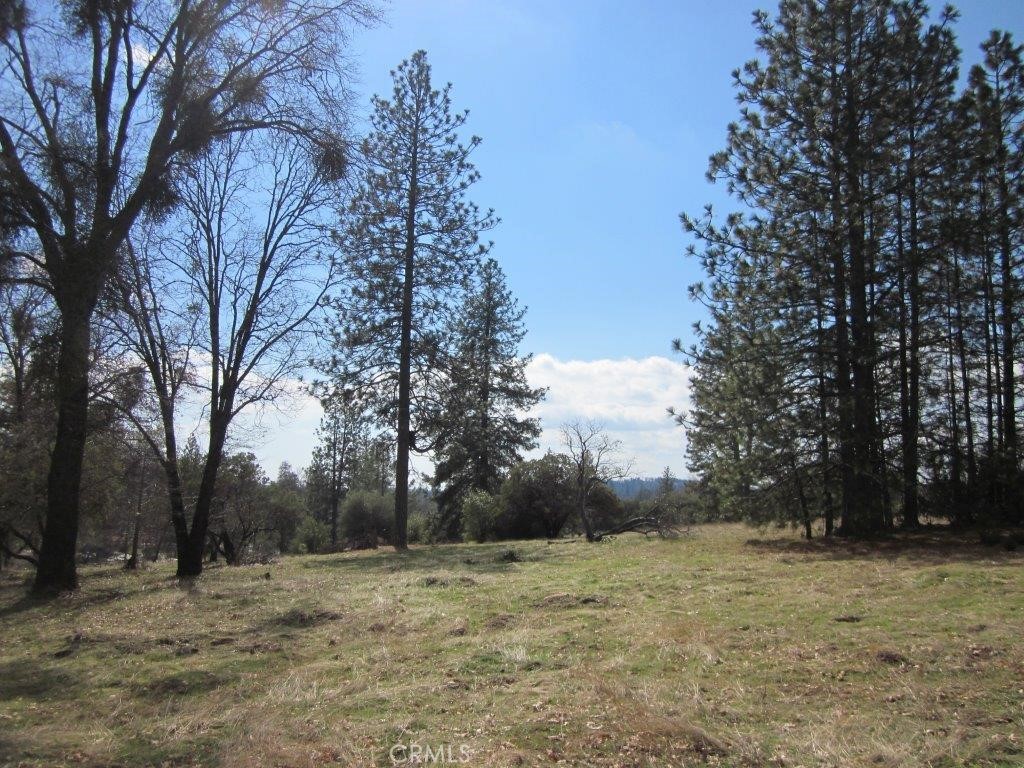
(645, 525)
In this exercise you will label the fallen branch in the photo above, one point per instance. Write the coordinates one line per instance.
(645, 525)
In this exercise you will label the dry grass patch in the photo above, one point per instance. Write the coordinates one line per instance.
(707, 650)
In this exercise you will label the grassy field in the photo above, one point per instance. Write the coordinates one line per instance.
(727, 647)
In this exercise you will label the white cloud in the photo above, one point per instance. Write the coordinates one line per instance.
(630, 397)
(282, 429)
(141, 55)
(283, 432)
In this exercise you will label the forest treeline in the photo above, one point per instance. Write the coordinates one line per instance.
(861, 364)
(192, 233)
(192, 229)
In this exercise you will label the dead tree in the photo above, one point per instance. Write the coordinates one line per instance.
(652, 523)
(594, 456)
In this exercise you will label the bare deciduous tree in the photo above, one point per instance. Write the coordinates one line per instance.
(100, 104)
(238, 286)
(596, 461)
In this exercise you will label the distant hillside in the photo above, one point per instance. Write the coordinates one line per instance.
(635, 487)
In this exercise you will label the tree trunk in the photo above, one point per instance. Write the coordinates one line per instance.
(335, 490)
(56, 570)
(1007, 316)
(231, 553)
(405, 360)
(133, 560)
(865, 521)
(179, 521)
(956, 455)
(588, 528)
(1009, 460)
(865, 511)
(844, 395)
(805, 509)
(910, 309)
(404, 437)
(334, 521)
(823, 425)
(965, 379)
(190, 559)
(158, 547)
(840, 293)
(991, 353)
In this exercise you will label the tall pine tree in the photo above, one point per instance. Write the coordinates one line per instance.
(483, 428)
(863, 306)
(411, 242)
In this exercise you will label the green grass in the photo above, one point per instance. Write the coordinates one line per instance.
(716, 648)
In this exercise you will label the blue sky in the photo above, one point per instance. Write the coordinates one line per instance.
(597, 119)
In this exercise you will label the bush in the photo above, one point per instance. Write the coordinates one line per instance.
(536, 498)
(418, 530)
(479, 514)
(365, 518)
(311, 536)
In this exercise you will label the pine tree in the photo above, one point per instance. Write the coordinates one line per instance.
(666, 483)
(482, 430)
(996, 91)
(411, 242)
(343, 433)
(839, 360)
(751, 393)
(926, 71)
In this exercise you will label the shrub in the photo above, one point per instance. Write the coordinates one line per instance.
(536, 498)
(418, 529)
(365, 518)
(311, 536)
(479, 514)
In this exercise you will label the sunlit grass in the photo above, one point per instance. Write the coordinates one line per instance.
(713, 648)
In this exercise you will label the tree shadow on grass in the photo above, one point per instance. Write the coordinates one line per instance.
(465, 558)
(30, 679)
(21, 604)
(10, 748)
(76, 601)
(95, 589)
(933, 545)
(187, 682)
